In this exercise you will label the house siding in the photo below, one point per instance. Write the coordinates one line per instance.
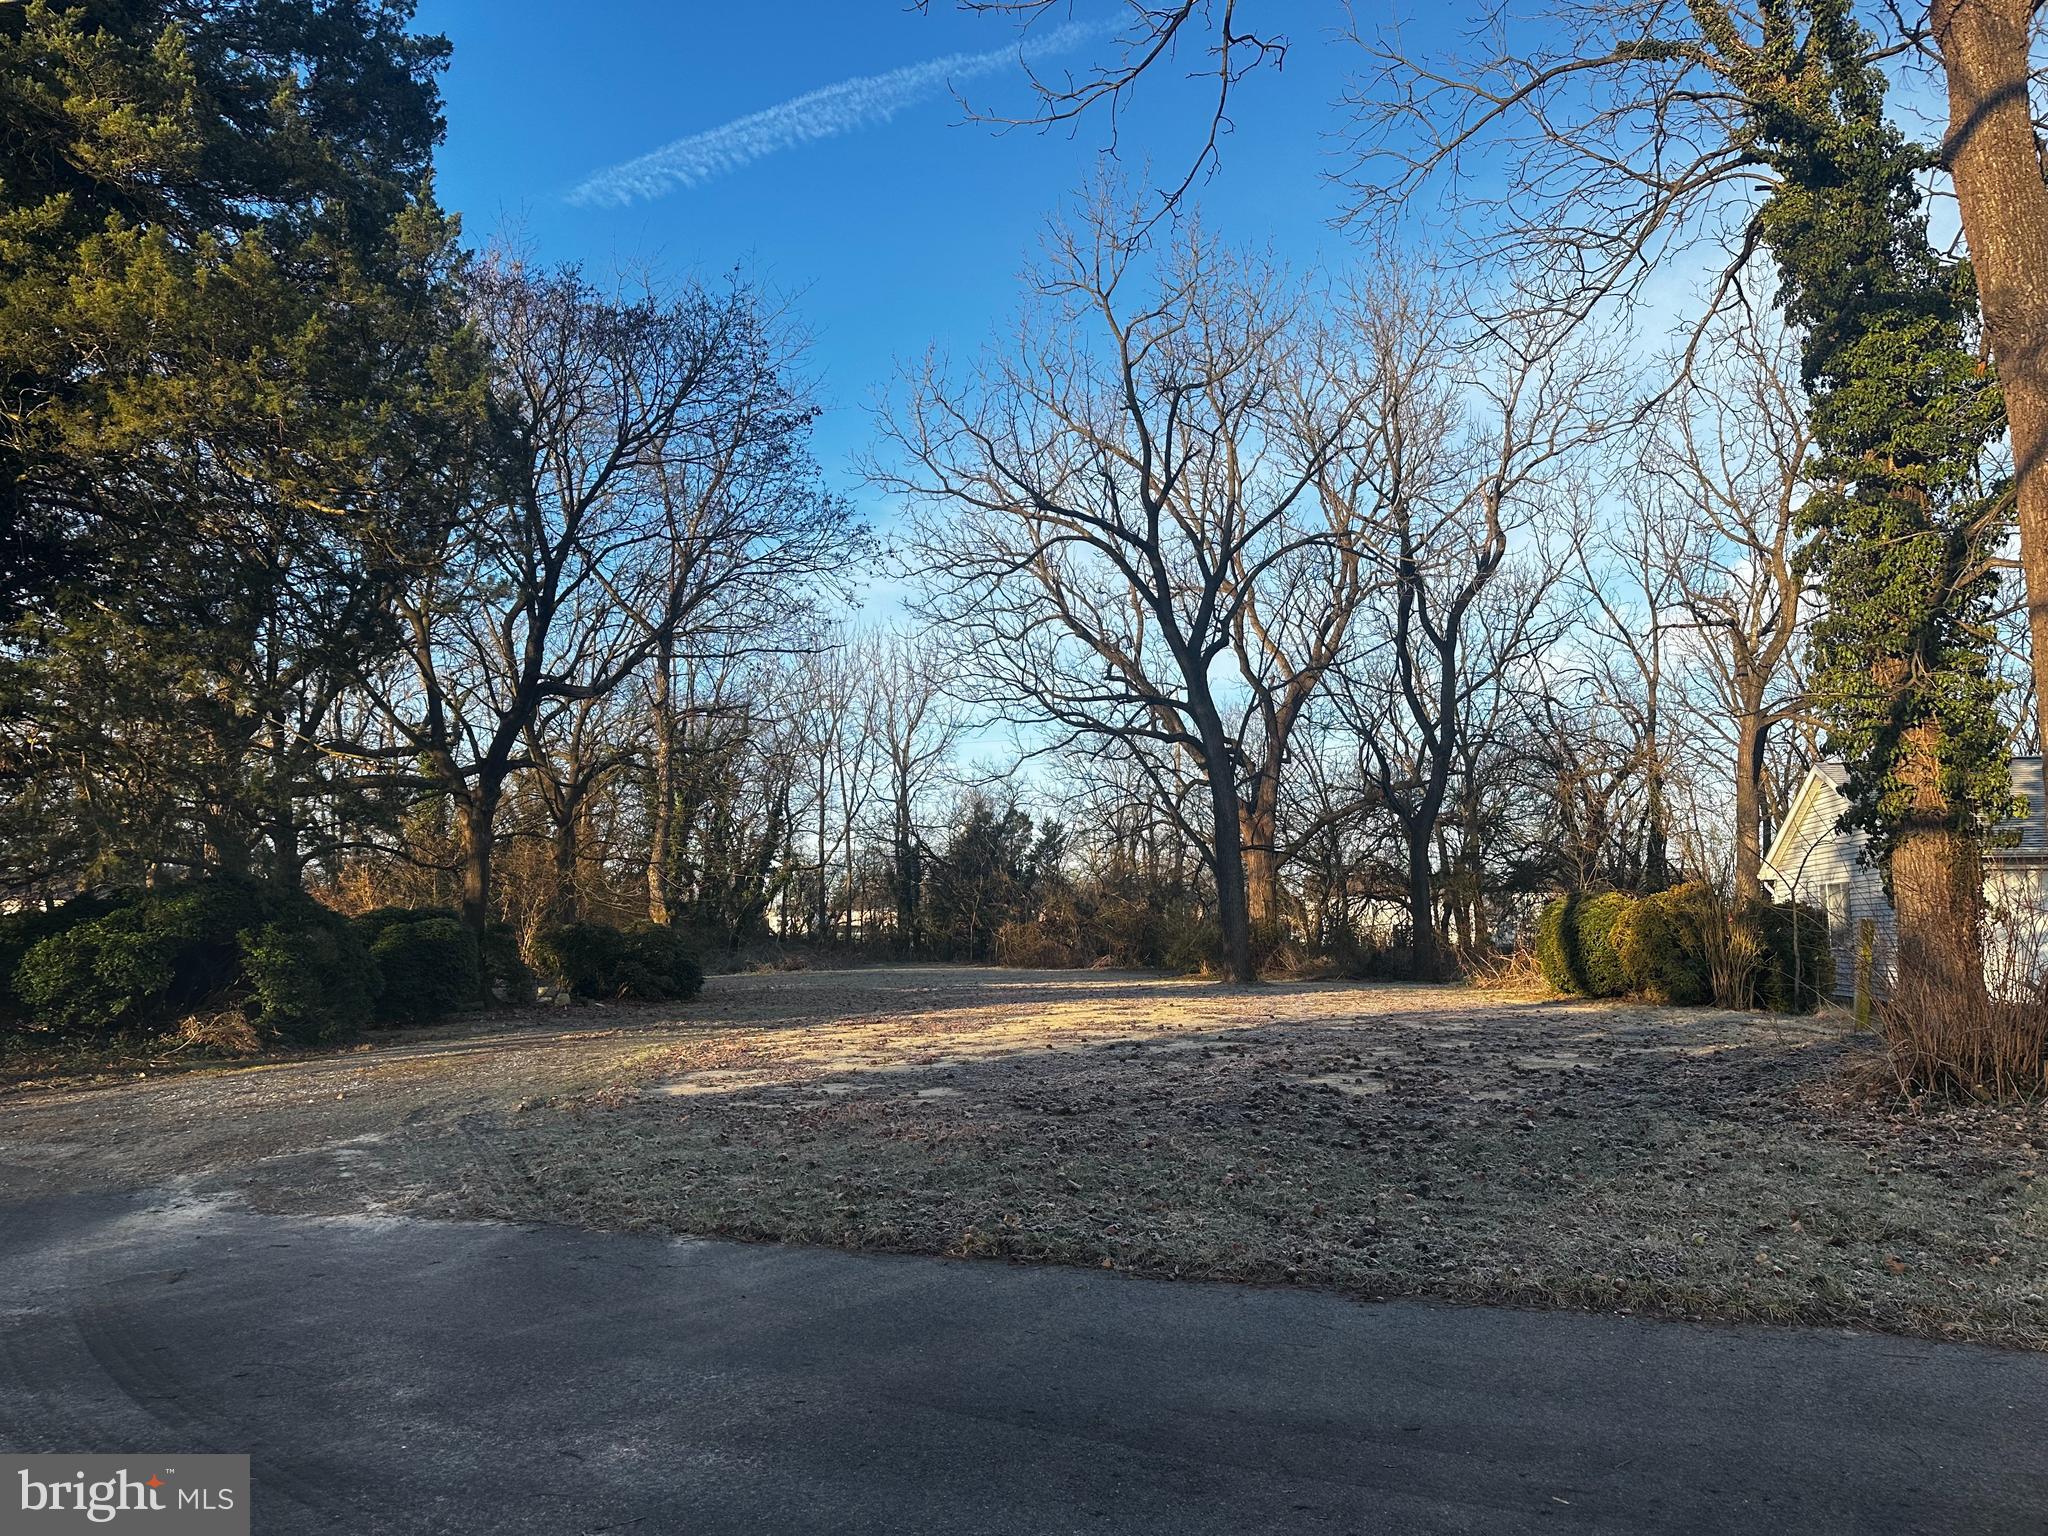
(1810, 860)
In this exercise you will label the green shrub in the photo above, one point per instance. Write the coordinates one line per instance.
(377, 919)
(1798, 970)
(1666, 947)
(1663, 942)
(505, 975)
(142, 962)
(228, 946)
(22, 931)
(59, 981)
(664, 967)
(647, 961)
(430, 968)
(1575, 944)
(1192, 949)
(1550, 945)
(501, 973)
(310, 976)
(584, 957)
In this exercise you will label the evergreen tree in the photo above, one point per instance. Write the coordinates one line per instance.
(237, 402)
(1903, 525)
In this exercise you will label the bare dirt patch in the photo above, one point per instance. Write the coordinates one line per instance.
(1384, 1140)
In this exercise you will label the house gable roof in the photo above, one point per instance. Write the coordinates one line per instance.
(2028, 832)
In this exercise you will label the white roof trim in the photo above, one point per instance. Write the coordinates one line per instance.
(1830, 773)
(1816, 776)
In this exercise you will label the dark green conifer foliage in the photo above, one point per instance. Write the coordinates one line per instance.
(1903, 523)
(235, 402)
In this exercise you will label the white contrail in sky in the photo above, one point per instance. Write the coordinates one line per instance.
(821, 114)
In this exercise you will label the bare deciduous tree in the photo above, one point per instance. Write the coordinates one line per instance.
(1101, 505)
(1599, 136)
(1206, 39)
(1480, 438)
(582, 565)
(1729, 461)
(1626, 131)
(1993, 152)
(1630, 590)
(915, 725)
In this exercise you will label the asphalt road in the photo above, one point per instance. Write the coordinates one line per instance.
(403, 1376)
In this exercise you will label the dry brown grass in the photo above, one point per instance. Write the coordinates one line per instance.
(223, 1032)
(1381, 1140)
(1973, 1047)
(1514, 972)
(1988, 1044)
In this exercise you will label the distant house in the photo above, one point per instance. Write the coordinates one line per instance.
(1813, 861)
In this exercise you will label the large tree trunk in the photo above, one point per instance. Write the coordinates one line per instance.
(1232, 914)
(1257, 829)
(281, 829)
(1427, 961)
(1471, 846)
(661, 809)
(479, 827)
(1996, 164)
(1937, 877)
(1457, 925)
(1749, 789)
(568, 901)
(908, 878)
(1937, 888)
(286, 861)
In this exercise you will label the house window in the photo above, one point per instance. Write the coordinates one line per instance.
(1834, 898)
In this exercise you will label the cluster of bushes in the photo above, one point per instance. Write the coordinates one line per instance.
(1055, 940)
(646, 962)
(1686, 946)
(1064, 932)
(1196, 949)
(1186, 945)
(432, 965)
(1037, 946)
(288, 967)
(103, 965)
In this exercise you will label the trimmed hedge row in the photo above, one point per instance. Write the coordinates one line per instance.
(1663, 942)
(104, 965)
(1666, 947)
(1577, 947)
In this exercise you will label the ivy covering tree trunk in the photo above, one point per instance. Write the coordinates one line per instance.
(1903, 523)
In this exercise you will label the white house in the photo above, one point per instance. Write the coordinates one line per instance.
(1812, 861)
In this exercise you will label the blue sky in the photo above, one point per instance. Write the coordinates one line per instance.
(906, 234)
